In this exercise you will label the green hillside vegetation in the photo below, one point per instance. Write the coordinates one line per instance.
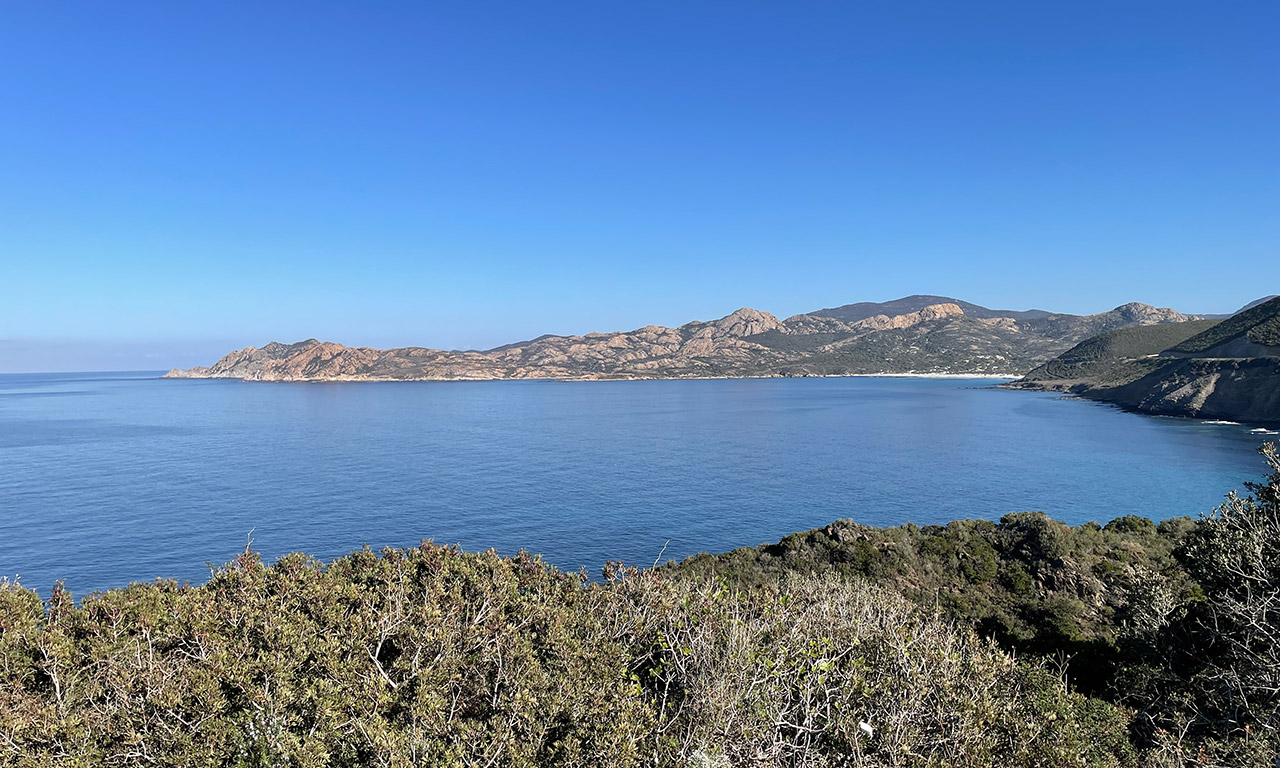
(848, 646)
(1260, 324)
(1119, 356)
(1136, 341)
(1207, 369)
(1032, 583)
(953, 344)
(795, 342)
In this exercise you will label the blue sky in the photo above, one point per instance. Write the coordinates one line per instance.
(177, 179)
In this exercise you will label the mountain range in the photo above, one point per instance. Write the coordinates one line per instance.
(918, 334)
(1213, 369)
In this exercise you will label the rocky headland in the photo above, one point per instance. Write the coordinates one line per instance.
(915, 334)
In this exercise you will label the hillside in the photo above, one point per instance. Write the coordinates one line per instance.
(916, 334)
(1218, 369)
(1116, 357)
(1254, 331)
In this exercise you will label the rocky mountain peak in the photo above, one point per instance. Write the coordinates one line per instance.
(746, 322)
(1145, 314)
(1133, 307)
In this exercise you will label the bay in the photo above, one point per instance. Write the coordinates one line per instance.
(112, 478)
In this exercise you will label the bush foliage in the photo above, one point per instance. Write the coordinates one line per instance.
(432, 656)
(1030, 582)
(1018, 643)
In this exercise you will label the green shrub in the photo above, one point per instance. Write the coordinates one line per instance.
(1015, 578)
(426, 656)
(431, 656)
(979, 564)
(791, 673)
(1130, 524)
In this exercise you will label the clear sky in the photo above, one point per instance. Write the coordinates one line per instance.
(177, 179)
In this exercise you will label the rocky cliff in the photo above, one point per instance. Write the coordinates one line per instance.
(917, 334)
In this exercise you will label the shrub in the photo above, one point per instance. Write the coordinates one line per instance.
(822, 671)
(1130, 524)
(426, 656)
(431, 656)
(1235, 556)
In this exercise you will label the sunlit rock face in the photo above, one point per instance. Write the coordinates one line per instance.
(917, 334)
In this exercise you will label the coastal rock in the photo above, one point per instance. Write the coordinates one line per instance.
(920, 334)
(932, 312)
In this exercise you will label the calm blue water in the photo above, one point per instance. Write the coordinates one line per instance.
(109, 478)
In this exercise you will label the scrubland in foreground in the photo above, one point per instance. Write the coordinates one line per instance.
(793, 657)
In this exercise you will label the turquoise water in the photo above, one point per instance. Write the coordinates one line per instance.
(109, 478)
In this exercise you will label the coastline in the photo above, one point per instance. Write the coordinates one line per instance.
(1009, 376)
(566, 379)
(1108, 398)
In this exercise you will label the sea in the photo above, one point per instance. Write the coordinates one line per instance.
(112, 478)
